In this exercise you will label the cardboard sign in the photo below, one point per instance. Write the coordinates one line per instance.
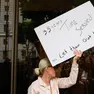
(71, 30)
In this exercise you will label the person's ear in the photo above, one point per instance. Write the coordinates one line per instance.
(46, 69)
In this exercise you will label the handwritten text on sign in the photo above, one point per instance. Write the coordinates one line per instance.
(71, 30)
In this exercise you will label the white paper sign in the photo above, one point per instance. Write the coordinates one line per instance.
(71, 30)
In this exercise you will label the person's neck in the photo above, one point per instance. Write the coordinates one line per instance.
(46, 79)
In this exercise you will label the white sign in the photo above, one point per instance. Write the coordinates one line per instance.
(71, 30)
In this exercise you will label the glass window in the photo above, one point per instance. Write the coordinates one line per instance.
(6, 17)
(6, 8)
(5, 27)
(5, 42)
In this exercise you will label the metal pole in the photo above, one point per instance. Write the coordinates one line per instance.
(15, 46)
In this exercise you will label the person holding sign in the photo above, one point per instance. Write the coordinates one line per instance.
(47, 83)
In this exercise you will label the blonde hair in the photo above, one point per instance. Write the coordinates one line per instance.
(44, 63)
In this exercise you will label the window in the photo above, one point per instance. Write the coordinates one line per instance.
(5, 28)
(5, 41)
(6, 8)
(6, 17)
(5, 53)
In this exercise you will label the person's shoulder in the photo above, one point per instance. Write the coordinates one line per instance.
(32, 87)
(33, 84)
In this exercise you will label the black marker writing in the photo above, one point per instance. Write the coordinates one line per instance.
(50, 28)
(70, 25)
(74, 47)
(62, 54)
(87, 38)
(47, 31)
(93, 32)
(64, 24)
(83, 25)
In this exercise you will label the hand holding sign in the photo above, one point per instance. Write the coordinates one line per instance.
(67, 32)
(78, 54)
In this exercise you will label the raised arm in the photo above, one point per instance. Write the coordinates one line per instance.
(71, 80)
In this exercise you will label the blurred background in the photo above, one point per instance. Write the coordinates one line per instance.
(20, 49)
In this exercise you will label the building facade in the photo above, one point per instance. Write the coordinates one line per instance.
(6, 24)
